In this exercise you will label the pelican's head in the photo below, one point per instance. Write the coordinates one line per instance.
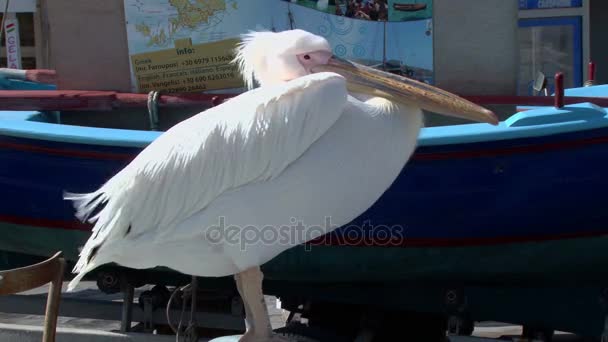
(275, 57)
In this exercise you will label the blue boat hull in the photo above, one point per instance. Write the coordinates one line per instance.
(520, 190)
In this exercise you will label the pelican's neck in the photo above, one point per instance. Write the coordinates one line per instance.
(379, 105)
(402, 124)
(362, 97)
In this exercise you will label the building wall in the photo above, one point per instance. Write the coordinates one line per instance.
(475, 45)
(599, 41)
(475, 49)
(87, 43)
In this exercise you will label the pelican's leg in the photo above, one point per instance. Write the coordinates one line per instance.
(238, 279)
(249, 285)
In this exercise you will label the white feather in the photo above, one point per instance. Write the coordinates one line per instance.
(249, 139)
(253, 52)
(249, 54)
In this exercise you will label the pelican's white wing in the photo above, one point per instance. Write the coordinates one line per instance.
(250, 138)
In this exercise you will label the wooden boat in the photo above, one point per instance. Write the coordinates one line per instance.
(533, 249)
(409, 7)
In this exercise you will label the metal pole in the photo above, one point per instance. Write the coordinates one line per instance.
(384, 49)
(127, 305)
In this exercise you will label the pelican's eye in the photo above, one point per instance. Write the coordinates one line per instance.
(307, 57)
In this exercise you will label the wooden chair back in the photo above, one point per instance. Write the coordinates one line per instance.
(33, 276)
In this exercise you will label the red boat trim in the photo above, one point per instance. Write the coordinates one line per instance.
(67, 152)
(417, 156)
(45, 100)
(545, 147)
(46, 223)
(331, 240)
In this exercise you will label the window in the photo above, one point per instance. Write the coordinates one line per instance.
(550, 45)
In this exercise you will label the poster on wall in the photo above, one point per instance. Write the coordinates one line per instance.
(373, 10)
(187, 45)
(403, 44)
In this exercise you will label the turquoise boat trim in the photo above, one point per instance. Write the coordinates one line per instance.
(554, 115)
(75, 134)
(12, 84)
(539, 122)
(19, 115)
(594, 91)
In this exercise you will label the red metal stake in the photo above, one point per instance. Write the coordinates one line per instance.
(559, 90)
(591, 71)
(215, 101)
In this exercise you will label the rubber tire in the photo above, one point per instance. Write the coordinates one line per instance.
(108, 287)
(531, 332)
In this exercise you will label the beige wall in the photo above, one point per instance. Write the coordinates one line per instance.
(475, 46)
(87, 43)
(475, 50)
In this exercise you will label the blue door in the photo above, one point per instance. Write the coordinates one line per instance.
(550, 45)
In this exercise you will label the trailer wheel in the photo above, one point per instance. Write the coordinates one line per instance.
(530, 332)
(303, 333)
(108, 282)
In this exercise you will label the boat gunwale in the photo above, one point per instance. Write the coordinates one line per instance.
(429, 136)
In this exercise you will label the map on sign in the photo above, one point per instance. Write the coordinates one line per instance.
(182, 45)
(183, 19)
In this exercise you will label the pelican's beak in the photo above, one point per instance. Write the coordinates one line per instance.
(363, 79)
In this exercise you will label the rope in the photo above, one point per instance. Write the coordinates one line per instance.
(190, 331)
(292, 23)
(168, 309)
(3, 20)
(153, 109)
(181, 316)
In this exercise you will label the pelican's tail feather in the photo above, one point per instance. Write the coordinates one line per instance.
(83, 268)
(103, 208)
(86, 204)
(80, 275)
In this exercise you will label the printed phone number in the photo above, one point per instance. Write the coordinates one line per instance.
(174, 89)
(213, 77)
(206, 60)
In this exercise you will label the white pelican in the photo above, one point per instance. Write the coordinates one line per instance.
(320, 138)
